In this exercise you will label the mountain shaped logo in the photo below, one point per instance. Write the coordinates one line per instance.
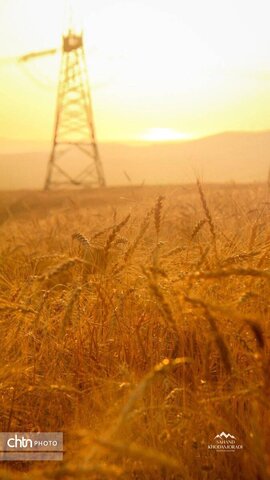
(225, 442)
(225, 435)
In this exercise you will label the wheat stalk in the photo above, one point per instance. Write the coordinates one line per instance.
(208, 216)
(82, 239)
(144, 226)
(68, 313)
(111, 238)
(197, 228)
(224, 351)
(157, 214)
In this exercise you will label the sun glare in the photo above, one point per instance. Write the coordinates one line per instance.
(149, 62)
(163, 135)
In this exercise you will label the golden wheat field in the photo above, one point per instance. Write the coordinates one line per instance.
(136, 321)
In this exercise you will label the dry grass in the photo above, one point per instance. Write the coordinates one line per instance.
(137, 322)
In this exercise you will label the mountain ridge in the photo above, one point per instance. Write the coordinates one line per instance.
(223, 157)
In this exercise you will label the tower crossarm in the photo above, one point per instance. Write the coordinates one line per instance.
(32, 55)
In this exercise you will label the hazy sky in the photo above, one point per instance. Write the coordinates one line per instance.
(158, 69)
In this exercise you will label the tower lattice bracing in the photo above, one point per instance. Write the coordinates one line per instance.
(74, 158)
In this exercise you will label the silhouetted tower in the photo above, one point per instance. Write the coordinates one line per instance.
(74, 158)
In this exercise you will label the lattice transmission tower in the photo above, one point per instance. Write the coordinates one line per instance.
(74, 158)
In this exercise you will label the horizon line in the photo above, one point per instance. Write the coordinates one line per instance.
(138, 141)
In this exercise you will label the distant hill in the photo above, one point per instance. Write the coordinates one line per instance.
(233, 156)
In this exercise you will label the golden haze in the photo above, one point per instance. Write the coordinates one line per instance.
(188, 68)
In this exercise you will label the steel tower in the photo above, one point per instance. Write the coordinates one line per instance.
(74, 158)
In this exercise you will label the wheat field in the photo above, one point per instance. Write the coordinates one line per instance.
(136, 321)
